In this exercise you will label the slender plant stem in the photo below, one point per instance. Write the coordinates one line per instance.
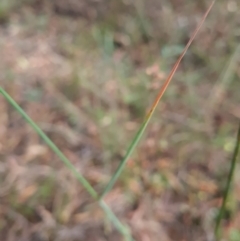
(111, 216)
(54, 148)
(125, 159)
(119, 226)
(228, 185)
(143, 126)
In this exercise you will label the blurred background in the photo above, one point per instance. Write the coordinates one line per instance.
(87, 71)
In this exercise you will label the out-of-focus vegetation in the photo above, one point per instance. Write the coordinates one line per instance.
(86, 72)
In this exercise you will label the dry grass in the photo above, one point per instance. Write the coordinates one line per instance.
(83, 82)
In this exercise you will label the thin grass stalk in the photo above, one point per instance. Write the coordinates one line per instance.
(111, 216)
(228, 185)
(116, 222)
(143, 126)
(51, 145)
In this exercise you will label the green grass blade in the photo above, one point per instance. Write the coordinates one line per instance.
(228, 185)
(125, 159)
(119, 226)
(52, 146)
(142, 128)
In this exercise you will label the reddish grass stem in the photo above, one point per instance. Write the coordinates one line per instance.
(142, 128)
